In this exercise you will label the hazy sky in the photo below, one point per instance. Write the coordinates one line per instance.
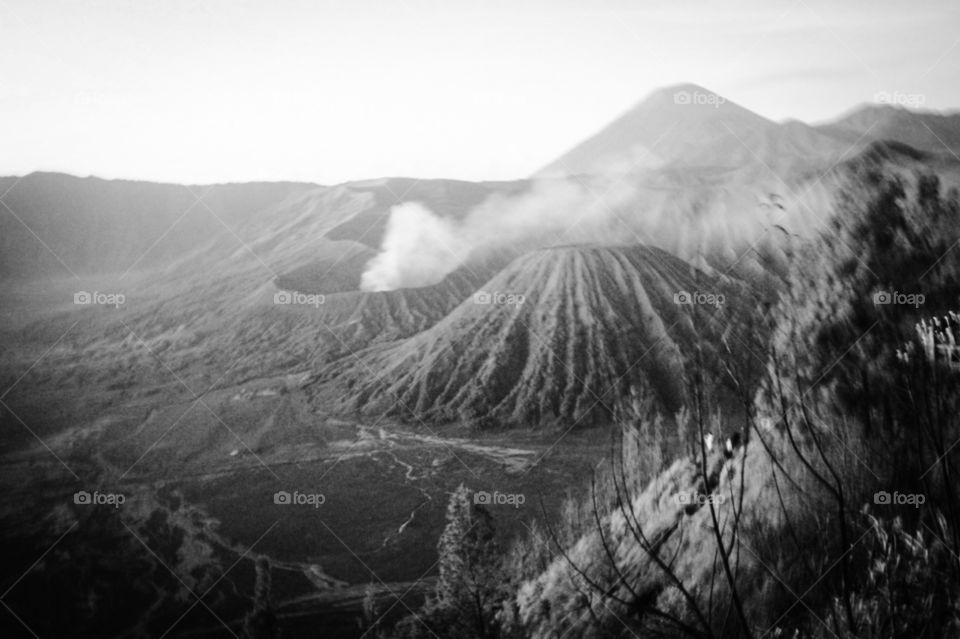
(204, 90)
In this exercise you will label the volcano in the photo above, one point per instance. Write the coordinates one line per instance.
(574, 334)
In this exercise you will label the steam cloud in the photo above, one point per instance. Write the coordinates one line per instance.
(420, 248)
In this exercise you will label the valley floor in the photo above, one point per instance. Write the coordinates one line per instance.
(200, 480)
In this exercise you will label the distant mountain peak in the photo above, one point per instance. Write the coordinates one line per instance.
(674, 124)
(677, 97)
(678, 92)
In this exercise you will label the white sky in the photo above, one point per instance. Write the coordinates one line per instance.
(202, 91)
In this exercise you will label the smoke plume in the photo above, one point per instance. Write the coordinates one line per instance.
(418, 249)
(688, 218)
(421, 248)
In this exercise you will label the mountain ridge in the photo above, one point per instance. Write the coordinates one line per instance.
(687, 126)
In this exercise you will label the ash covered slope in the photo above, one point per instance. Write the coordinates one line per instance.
(597, 327)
